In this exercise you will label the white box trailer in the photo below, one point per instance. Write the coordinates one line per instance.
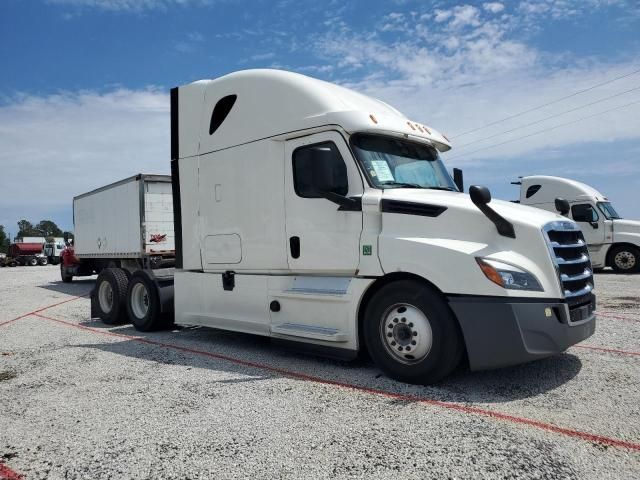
(317, 216)
(127, 224)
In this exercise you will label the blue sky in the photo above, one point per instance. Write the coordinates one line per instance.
(84, 83)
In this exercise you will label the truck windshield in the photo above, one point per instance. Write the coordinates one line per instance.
(394, 163)
(608, 211)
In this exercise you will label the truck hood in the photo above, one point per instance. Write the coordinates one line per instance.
(519, 215)
(626, 226)
(433, 242)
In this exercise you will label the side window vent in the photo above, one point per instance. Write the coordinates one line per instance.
(220, 112)
(532, 190)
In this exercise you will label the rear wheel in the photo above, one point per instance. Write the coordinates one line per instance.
(411, 333)
(33, 261)
(43, 261)
(110, 296)
(625, 259)
(143, 304)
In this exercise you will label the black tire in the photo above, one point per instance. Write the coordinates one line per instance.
(32, 262)
(13, 263)
(446, 347)
(143, 304)
(110, 296)
(43, 261)
(624, 259)
(66, 278)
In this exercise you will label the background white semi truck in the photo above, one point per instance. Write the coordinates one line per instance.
(323, 218)
(127, 224)
(53, 250)
(612, 241)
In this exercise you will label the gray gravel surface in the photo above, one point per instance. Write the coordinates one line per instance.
(77, 401)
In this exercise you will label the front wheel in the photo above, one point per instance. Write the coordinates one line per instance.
(411, 333)
(625, 259)
(66, 278)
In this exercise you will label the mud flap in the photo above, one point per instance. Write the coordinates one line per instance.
(94, 304)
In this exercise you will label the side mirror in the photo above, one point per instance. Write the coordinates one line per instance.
(479, 195)
(562, 206)
(458, 179)
(594, 225)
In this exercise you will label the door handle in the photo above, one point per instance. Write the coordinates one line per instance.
(294, 246)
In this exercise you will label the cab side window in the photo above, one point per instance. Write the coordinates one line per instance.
(584, 213)
(319, 161)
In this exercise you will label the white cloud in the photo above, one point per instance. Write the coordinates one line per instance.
(59, 146)
(493, 7)
(466, 68)
(442, 15)
(465, 15)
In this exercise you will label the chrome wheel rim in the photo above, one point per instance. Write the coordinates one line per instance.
(625, 260)
(406, 333)
(139, 300)
(105, 297)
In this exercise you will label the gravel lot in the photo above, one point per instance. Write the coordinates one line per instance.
(80, 400)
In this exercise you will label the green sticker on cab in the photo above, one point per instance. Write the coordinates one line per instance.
(366, 250)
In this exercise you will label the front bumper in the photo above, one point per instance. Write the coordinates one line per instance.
(500, 331)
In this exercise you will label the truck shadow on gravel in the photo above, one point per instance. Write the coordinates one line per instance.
(77, 287)
(494, 386)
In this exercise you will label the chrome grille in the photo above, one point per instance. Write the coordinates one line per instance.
(571, 257)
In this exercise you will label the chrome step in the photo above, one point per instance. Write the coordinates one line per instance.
(315, 332)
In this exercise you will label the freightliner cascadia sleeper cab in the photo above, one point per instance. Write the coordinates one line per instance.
(310, 213)
(612, 241)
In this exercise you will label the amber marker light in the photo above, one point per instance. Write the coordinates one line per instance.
(412, 127)
(373, 119)
(490, 272)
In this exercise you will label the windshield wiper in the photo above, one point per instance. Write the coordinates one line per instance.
(448, 189)
(401, 184)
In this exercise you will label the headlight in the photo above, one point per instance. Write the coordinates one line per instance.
(508, 276)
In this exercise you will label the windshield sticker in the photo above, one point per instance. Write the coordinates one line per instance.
(382, 170)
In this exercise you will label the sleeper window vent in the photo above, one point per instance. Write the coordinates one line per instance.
(532, 190)
(220, 112)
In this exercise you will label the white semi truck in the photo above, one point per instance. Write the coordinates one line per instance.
(612, 241)
(127, 224)
(53, 250)
(323, 218)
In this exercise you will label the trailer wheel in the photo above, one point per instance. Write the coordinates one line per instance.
(33, 261)
(625, 259)
(111, 294)
(143, 304)
(43, 261)
(411, 333)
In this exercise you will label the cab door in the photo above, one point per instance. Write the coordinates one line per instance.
(591, 223)
(322, 236)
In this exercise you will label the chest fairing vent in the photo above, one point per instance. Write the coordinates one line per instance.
(221, 111)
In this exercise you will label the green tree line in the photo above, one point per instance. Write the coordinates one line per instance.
(44, 228)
